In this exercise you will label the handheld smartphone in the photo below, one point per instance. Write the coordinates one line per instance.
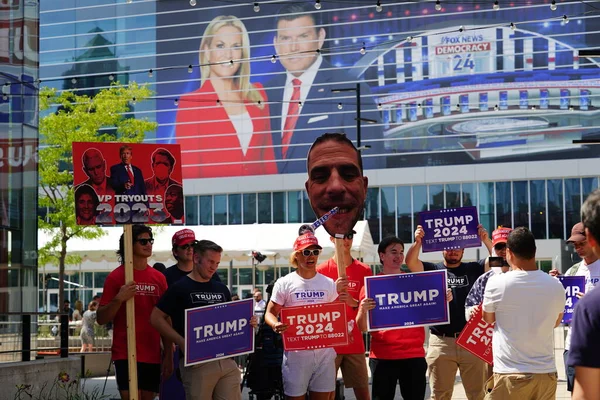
(496, 262)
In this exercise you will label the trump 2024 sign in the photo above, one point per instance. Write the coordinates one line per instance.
(407, 300)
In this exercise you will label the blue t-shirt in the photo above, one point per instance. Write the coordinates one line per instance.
(460, 280)
(188, 293)
(585, 346)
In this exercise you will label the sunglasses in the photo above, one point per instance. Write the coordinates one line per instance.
(500, 246)
(186, 246)
(349, 236)
(144, 242)
(308, 253)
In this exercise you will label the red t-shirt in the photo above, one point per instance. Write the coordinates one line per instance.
(396, 344)
(355, 273)
(151, 285)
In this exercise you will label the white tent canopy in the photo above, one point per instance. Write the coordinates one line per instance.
(238, 241)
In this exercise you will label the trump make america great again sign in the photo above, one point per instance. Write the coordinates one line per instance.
(218, 331)
(407, 300)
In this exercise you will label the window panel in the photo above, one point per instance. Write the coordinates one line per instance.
(220, 204)
(521, 203)
(99, 278)
(486, 205)
(278, 207)
(436, 197)
(250, 208)
(308, 213)
(572, 203)
(419, 204)
(503, 204)
(469, 195)
(372, 211)
(264, 208)
(588, 186)
(191, 210)
(388, 211)
(294, 206)
(206, 209)
(403, 210)
(453, 195)
(537, 190)
(235, 209)
(555, 209)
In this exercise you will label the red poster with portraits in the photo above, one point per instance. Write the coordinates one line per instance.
(127, 183)
(315, 326)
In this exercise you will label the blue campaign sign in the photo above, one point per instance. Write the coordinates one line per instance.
(452, 228)
(572, 285)
(218, 331)
(407, 300)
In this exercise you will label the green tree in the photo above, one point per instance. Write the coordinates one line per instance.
(105, 117)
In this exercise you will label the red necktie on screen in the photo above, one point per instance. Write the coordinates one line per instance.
(291, 118)
(130, 173)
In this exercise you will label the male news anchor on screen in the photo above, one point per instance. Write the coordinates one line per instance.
(307, 106)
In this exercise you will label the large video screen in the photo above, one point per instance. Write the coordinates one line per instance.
(246, 89)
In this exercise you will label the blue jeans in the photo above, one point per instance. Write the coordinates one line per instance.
(569, 371)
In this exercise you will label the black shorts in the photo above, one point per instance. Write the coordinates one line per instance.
(148, 376)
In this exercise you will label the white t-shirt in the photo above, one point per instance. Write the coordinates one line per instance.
(527, 305)
(293, 290)
(592, 277)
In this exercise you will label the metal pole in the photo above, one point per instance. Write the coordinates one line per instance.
(358, 115)
(26, 337)
(64, 335)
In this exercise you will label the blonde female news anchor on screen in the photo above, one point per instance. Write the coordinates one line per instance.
(223, 127)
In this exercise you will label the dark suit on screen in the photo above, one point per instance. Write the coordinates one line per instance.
(320, 114)
(119, 177)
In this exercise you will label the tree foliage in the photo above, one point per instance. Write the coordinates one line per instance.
(105, 117)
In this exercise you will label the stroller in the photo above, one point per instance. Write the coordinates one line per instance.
(263, 367)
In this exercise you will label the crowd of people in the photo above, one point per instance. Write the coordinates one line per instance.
(521, 302)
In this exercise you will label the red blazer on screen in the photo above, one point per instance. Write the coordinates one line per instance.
(199, 115)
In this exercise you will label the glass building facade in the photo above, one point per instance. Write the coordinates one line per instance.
(18, 161)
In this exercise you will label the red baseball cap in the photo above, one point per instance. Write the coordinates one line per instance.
(183, 236)
(304, 241)
(577, 233)
(500, 235)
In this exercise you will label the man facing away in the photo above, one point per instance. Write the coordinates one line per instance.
(526, 304)
(350, 358)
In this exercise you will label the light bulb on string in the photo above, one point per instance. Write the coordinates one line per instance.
(496, 107)
(496, 6)
(193, 3)
(4, 97)
(133, 100)
(299, 104)
(379, 107)
(409, 39)
(438, 5)
(274, 59)
(565, 19)
(553, 6)
(513, 26)
(378, 7)
(73, 80)
(318, 4)
(363, 49)
(230, 63)
(176, 102)
(111, 77)
(129, 1)
(190, 69)
(6, 88)
(150, 73)
(256, 7)
(461, 29)
(340, 106)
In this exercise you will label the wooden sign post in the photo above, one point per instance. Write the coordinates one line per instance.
(130, 312)
(340, 257)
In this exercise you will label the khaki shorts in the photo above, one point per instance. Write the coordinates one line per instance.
(354, 370)
(523, 386)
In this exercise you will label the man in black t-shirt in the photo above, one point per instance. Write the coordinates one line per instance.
(443, 355)
(214, 379)
(183, 241)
